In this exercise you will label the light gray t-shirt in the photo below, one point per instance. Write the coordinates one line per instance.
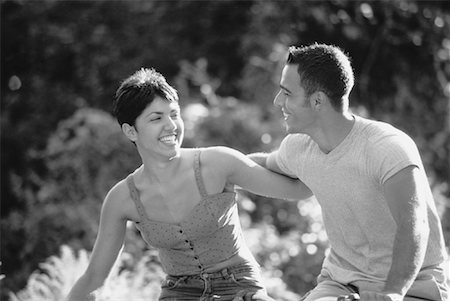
(348, 184)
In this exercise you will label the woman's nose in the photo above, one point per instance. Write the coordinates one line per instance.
(171, 124)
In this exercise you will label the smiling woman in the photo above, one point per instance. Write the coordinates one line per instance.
(158, 130)
(182, 201)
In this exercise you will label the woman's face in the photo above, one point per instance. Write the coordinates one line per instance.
(160, 129)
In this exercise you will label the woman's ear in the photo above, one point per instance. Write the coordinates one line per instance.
(129, 131)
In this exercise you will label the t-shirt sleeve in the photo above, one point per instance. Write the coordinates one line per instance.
(284, 157)
(392, 153)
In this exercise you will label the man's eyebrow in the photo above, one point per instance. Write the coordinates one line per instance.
(284, 88)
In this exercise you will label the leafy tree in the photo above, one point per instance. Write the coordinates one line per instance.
(62, 61)
(85, 156)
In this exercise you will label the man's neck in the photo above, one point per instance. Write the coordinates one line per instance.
(332, 130)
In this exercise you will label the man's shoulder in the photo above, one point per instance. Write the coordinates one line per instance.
(383, 140)
(375, 131)
(296, 142)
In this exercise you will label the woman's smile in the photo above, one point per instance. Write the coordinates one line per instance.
(169, 139)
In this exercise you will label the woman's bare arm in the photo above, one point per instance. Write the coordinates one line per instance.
(251, 176)
(107, 247)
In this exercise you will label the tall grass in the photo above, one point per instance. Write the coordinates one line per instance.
(127, 282)
(139, 279)
(58, 274)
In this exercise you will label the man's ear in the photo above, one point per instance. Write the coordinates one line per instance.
(318, 100)
(129, 131)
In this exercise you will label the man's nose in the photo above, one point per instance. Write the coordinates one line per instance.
(278, 101)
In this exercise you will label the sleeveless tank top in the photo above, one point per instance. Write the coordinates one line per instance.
(209, 234)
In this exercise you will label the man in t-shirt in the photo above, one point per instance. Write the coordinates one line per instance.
(385, 236)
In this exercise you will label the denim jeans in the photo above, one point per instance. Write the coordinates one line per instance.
(220, 286)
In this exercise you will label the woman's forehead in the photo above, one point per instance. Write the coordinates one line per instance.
(161, 104)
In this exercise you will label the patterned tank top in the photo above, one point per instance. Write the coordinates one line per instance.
(211, 233)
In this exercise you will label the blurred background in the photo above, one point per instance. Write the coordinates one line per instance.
(61, 150)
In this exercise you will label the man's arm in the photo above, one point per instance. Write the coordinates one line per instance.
(406, 195)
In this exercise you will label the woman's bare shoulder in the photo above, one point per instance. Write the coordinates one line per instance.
(119, 190)
(219, 153)
(224, 159)
(119, 200)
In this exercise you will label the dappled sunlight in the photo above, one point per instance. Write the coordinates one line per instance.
(62, 150)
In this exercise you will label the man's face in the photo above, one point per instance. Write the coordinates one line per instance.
(294, 102)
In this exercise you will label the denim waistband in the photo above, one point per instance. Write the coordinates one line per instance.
(237, 269)
(207, 278)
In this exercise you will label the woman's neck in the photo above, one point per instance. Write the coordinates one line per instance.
(160, 170)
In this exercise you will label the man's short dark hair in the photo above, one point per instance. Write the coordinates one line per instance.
(324, 68)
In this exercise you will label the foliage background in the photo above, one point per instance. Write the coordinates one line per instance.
(61, 150)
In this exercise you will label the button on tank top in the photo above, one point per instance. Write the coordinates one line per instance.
(209, 234)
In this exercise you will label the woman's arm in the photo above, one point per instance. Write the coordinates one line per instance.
(246, 173)
(106, 248)
(266, 160)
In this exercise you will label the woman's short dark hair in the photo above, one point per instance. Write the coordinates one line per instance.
(138, 91)
(324, 68)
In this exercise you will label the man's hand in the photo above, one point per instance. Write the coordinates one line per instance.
(246, 295)
(378, 296)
